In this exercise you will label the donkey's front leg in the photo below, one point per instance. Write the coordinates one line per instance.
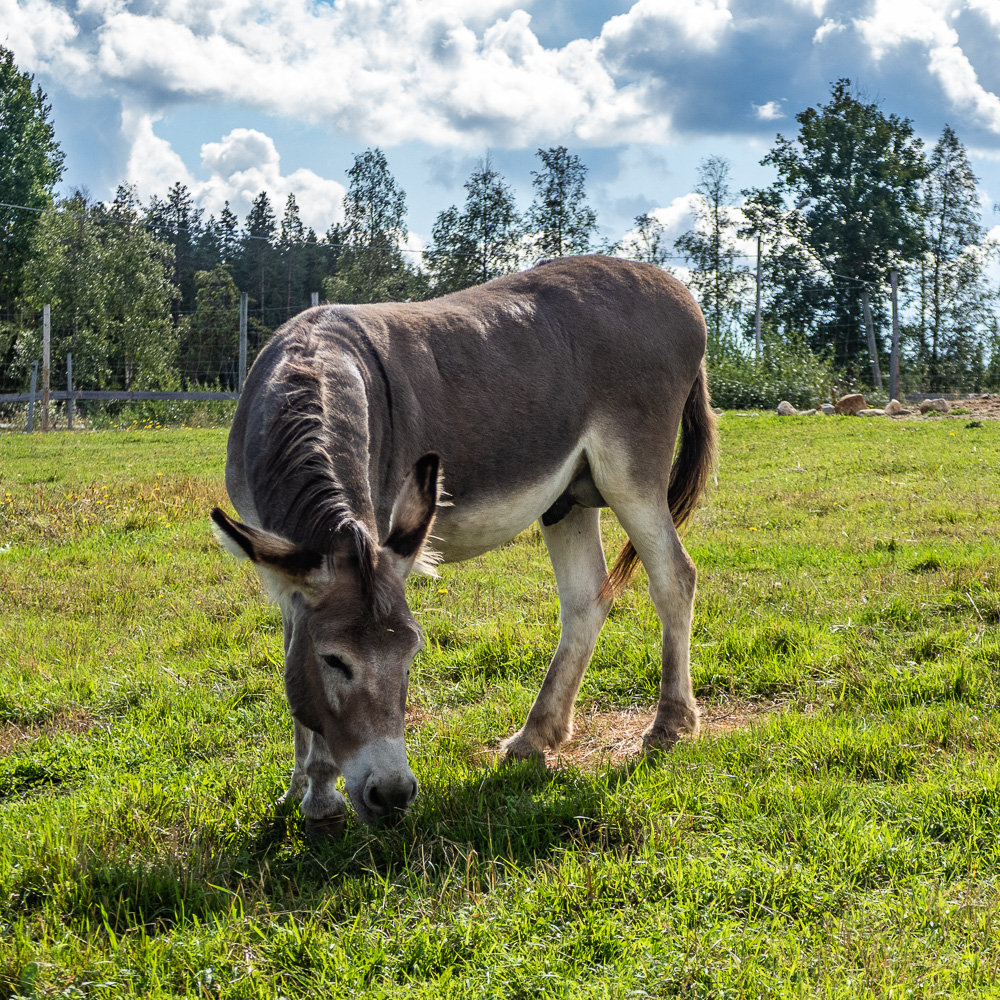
(574, 545)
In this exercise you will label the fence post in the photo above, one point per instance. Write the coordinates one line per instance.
(46, 363)
(31, 400)
(756, 316)
(314, 299)
(894, 356)
(70, 405)
(866, 306)
(243, 341)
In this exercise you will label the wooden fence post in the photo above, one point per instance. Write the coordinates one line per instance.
(866, 306)
(31, 399)
(70, 405)
(46, 363)
(314, 299)
(243, 340)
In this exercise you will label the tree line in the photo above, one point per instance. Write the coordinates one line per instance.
(147, 295)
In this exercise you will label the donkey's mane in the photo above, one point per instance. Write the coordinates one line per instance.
(296, 456)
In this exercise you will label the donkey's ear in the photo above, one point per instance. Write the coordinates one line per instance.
(286, 565)
(412, 517)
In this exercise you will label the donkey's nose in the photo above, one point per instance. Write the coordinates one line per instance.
(388, 797)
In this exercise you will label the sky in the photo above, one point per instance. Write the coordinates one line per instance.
(238, 96)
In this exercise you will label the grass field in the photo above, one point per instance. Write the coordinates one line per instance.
(833, 834)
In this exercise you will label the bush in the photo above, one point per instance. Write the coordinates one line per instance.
(785, 371)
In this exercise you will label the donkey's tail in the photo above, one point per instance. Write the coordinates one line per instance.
(688, 476)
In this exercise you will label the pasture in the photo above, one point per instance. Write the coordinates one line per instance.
(835, 833)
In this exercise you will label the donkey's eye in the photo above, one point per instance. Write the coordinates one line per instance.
(336, 663)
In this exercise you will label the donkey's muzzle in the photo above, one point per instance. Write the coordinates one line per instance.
(387, 799)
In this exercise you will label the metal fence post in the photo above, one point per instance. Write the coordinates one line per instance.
(46, 363)
(70, 405)
(31, 400)
(314, 299)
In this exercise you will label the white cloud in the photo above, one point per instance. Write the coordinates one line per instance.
(768, 112)
(387, 71)
(239, 166)
(665, 24)
(827, 28)
(246, 162)
(894, 23)
(153, 166)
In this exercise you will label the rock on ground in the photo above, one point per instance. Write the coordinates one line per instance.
(785, 409)
(850, 404)
(940, 405)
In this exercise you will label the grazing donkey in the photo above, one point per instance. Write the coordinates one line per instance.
(542, 395)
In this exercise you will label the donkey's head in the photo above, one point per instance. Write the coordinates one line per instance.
(350, 636)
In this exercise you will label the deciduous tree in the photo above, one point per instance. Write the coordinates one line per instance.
(559, 219)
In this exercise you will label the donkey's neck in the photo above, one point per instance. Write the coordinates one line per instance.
(313, 469)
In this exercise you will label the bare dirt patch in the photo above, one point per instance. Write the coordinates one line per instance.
(612, 738)
(74, 721)
(970, 408)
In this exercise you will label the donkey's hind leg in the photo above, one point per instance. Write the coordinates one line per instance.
(672, 579)
(574, 545)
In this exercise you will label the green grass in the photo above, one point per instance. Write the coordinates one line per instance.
(844, 845)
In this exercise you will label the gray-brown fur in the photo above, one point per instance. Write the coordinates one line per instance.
(543, 393)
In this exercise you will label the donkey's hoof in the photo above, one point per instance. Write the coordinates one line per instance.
(655, 740)
(669, 727)
(522, 747)
(326, 828)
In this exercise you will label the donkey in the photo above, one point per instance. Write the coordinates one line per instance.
(543, 395)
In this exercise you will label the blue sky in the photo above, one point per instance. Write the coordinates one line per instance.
(243, 95)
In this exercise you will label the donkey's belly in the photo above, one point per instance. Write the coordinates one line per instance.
(480, 522)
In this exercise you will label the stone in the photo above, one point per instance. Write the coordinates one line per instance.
(893, 408)
(827, 409)
(870, 412)
(938, 405)
(717, 410)
(850, 404)
(807, 413)
(785, 409)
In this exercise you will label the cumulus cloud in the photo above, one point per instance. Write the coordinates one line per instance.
(768, 112)
(238, 167)
(893, 23)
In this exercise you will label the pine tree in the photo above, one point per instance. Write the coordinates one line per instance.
(258, 273)
(290, 246)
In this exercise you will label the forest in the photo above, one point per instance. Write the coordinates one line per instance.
(146, 295)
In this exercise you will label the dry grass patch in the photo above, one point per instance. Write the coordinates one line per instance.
(75, 721)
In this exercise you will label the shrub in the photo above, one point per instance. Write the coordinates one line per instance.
(785, 371)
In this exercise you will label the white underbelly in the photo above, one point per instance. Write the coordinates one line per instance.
(464, 530)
